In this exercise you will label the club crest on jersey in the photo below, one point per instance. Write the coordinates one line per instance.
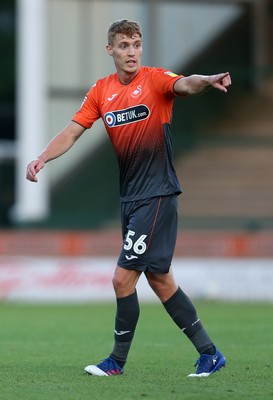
(126, 116)
(137, 92)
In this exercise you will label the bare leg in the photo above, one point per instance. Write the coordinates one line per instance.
(124, 281)
(163, 285)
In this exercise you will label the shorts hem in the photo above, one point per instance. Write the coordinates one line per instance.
(146, 268)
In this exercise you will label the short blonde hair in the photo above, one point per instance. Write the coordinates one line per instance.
(128, 28)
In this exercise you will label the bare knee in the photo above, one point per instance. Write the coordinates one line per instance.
(124, 281)
(163, 285)
(119, 285)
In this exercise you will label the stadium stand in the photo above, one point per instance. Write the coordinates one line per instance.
(227, 178)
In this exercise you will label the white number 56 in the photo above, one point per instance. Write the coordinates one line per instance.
(139, 246)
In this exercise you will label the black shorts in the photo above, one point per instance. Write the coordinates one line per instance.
(149, 229)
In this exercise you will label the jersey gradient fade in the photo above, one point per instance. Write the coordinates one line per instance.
(137, 118)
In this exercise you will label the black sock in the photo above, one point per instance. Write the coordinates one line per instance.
(203, 343)
(182, 311)
(125, 324)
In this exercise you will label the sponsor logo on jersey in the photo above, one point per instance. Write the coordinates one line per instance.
(170, 73)
(126, 116)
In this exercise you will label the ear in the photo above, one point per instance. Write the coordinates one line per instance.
(109, 50)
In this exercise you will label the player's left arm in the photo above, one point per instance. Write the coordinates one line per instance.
(197, 84)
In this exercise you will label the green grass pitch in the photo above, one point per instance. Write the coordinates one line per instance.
(44, 349)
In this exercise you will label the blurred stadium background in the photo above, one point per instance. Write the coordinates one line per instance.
(59, 239)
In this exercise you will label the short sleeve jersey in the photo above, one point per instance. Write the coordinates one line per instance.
(137, 118)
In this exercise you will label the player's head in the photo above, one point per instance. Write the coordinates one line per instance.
(123, 27)
(125, 46)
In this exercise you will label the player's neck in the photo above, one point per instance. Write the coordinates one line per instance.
(126, 78)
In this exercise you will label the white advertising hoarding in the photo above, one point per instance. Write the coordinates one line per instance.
(84, 279)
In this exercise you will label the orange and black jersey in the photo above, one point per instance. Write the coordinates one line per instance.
(137, 118)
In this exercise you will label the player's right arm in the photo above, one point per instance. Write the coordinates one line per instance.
(59, 145)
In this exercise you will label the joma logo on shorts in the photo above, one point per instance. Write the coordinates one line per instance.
(126, 116)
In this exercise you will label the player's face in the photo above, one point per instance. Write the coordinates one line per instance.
(126, 52)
